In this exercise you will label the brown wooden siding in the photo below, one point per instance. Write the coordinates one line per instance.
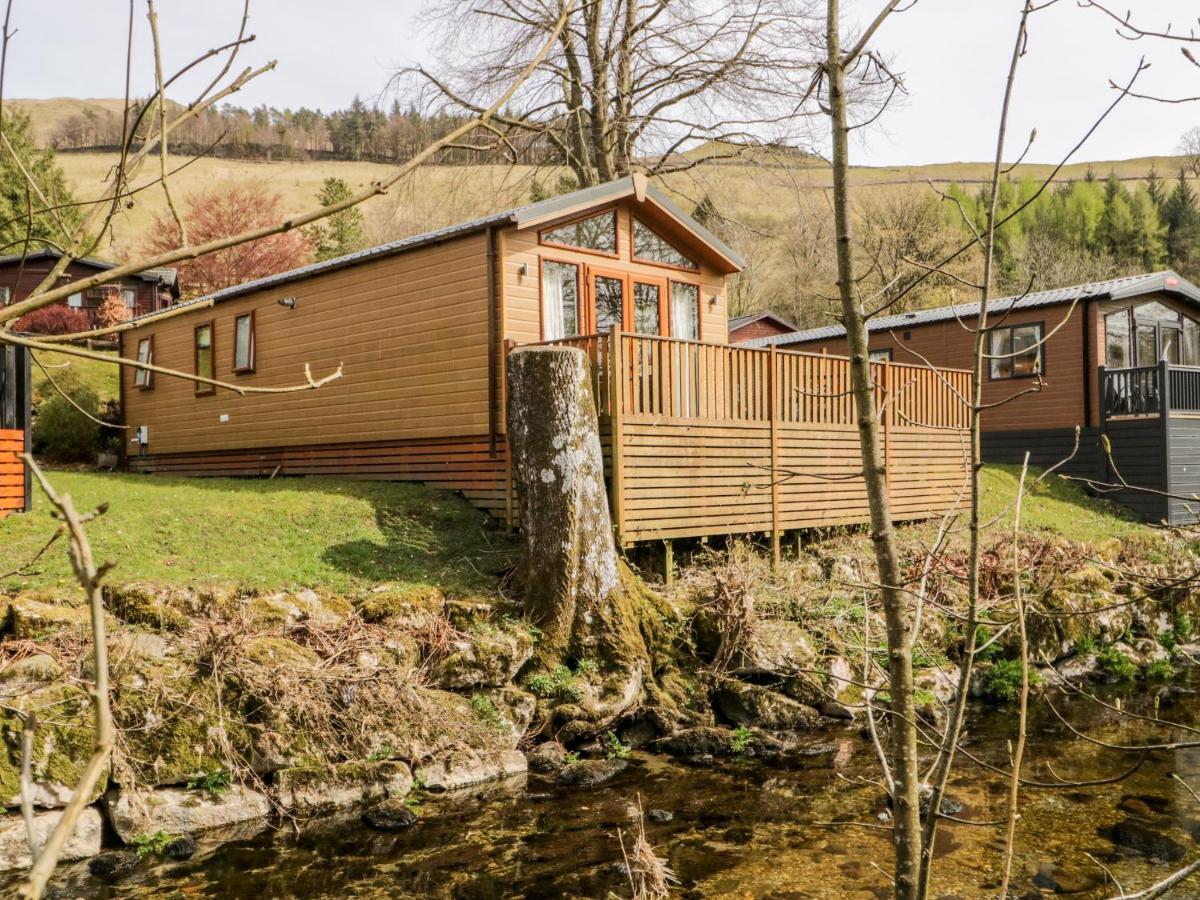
(12, 471)
(1060, 403)
(410, 331)
(760, 329)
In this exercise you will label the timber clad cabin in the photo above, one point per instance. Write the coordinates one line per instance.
(144, 293)
(1119, 357)
(758, 325)
(16, 396)
(691, 426)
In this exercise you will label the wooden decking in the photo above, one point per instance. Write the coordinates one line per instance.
(708, 439)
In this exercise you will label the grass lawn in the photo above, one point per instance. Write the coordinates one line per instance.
(343, 535)
(101, 377)
(335, 534)
(1055, 505)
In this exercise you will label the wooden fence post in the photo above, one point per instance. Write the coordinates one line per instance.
(616, 405)
(773, 418)
(889, 414)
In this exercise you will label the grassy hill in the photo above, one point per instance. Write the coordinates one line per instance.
(451, 193)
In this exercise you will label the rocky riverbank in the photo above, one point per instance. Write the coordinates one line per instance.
(236, 709)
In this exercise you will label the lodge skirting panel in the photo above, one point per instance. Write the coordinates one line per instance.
(1183, 473)
(1139, 455)
(467, 465)
(1047, 447)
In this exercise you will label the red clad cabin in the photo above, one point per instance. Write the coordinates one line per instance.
(758, 325)
(146, 292)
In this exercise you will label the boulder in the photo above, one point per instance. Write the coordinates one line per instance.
(404, 608)
(62, 742)
(1076, 668)
(465, 768)
(390, 815)
(591, 772)
(34, 617)
(114, 864)
(488, 658)
(320, 789)
(549, 756)
(14, 842)
(138, 603)
(177, 811)
(707, 740)
(750, 704)
(777, 647)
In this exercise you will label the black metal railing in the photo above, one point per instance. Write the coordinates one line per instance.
(1149, 390)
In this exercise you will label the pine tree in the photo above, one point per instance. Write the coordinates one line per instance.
(15, 194)
(1182, 216)
(1155, 188)
(341, 233)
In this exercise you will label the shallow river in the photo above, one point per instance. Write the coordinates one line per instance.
(742, 829)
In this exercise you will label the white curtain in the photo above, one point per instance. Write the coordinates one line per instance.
(685, 307)
(552, 302)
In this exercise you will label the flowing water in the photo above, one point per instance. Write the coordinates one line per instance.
(744, 829)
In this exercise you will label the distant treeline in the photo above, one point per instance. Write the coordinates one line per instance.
(359, 132)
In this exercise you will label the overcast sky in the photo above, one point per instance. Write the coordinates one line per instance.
(954, 54)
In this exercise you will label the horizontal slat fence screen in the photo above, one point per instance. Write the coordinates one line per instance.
(705, 439)
(12, 471)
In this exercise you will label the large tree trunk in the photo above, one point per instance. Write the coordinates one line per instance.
(571, 576)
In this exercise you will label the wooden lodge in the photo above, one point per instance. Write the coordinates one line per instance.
(1119, 358)
(758, 325)
(693, 428)
(15, 402)
(147, 292)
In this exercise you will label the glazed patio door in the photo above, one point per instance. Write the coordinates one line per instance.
(608, 300)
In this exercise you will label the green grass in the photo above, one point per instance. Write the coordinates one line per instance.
(1054, 505)
(268, 535)
(65, 369)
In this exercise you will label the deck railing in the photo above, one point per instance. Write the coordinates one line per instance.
(705, 439)
(677, 379)
(1150, 390)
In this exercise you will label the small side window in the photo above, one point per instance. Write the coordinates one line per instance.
(1016, 352)
(144, 378)
(243, 344)
(204, 358)
(884, 354)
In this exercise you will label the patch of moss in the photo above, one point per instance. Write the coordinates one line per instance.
(63, 740)
(411, 605)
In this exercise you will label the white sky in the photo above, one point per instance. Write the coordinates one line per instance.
(954, 54)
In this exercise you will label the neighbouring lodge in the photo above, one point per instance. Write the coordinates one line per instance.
(147, 292)
(1119, 358)
(693, 427)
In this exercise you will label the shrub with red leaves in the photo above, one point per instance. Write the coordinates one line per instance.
(55, 319)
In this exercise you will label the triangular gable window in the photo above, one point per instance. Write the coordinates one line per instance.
(650, 246)
(597, 233)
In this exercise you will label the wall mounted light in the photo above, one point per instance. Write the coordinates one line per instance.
(523, 269)
(289, 302)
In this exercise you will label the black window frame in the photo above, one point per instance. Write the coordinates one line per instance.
(1039, 343)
